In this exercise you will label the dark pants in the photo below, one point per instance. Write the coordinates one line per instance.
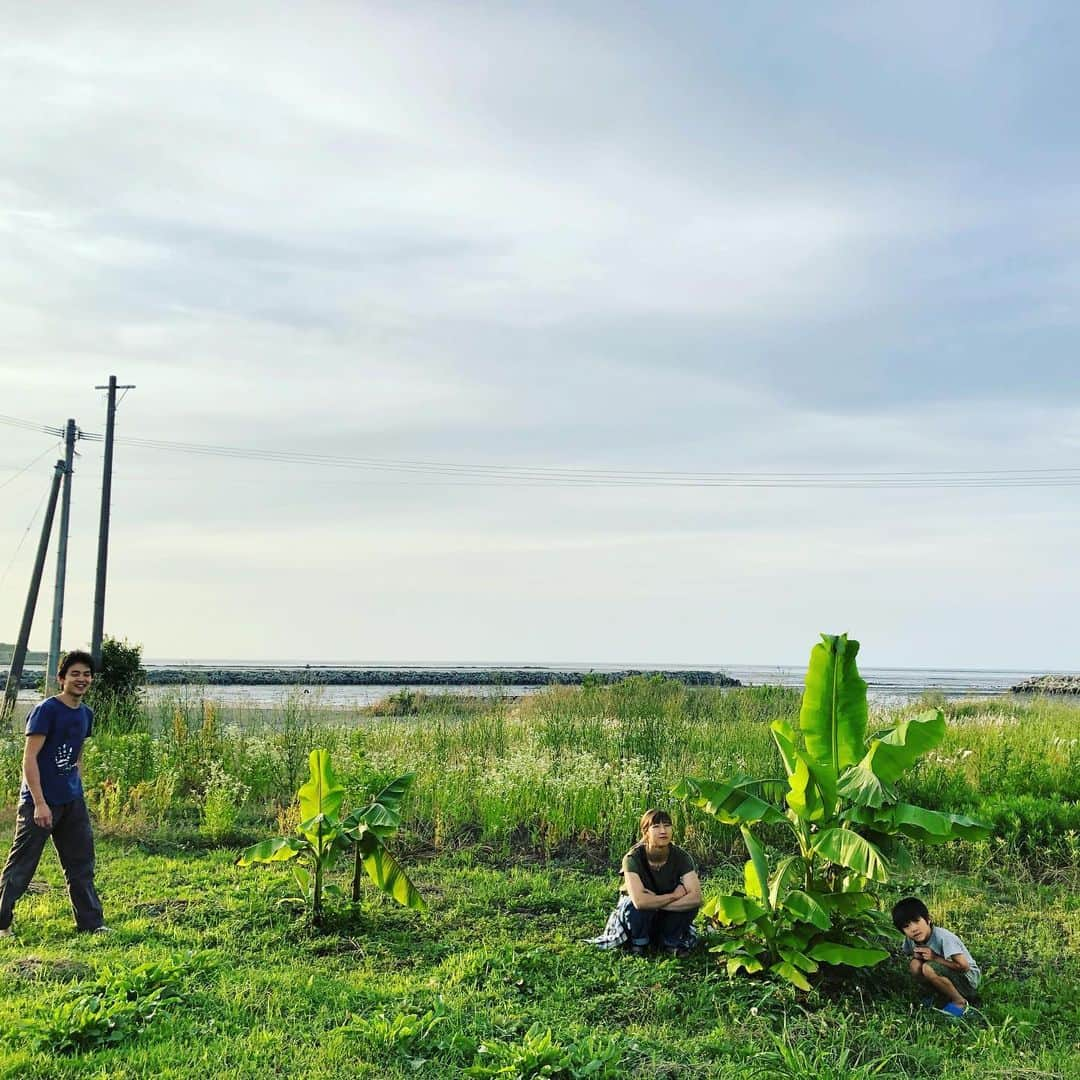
(74, 842)
(669, 926)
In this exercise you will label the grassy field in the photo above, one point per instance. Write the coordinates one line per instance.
(517, 816)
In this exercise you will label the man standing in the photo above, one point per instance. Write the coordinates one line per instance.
(51, 800)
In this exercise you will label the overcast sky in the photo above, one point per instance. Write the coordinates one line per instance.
(715, 237)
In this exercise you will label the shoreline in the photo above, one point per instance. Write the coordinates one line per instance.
(336, 676)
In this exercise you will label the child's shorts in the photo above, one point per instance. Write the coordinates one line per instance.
(966, 982)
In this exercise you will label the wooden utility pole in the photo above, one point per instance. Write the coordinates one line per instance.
(61, 560)
(103, 527)
(18, 657)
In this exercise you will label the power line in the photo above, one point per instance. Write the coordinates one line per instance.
(15, 476)
(491, 475)
(22, 540)
(29, 425)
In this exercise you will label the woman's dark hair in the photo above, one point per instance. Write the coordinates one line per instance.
(910, 909)
(654, 817)
(76, 656)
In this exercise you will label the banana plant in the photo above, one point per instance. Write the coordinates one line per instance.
(323, 835)
(838, 799)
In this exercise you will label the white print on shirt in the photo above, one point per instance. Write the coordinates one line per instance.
(64, 758)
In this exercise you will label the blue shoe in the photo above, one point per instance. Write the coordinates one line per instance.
(955, 1011)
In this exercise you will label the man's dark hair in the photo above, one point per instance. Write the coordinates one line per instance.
(76, 656)
(907, 911)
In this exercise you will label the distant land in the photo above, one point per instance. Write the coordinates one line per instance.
(38, 659)
(327, 676)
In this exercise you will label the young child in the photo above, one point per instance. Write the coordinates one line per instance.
(940, 962)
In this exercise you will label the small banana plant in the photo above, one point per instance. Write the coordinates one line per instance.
(323, 835)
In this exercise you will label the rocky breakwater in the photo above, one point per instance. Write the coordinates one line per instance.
(1048, 684)
(320, 676)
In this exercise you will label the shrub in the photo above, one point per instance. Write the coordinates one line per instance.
(117, 687)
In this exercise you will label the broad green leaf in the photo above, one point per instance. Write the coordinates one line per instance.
(847, 848)
(756, 871)
(387, 873)
(789, 971)
(812, 789)
(749, 964)
(897, 750)
(803, 906)
(739, 944)
(322, 832)
(918, 823)
(799, 959)
(862, 786)
(321, 794)
(276, 849)
(831, 952)
(392, 795)
(334, 891)
(732, 910)
(784, 736)
(796, 936)
(303, 879)
(737, 801)
(833, 714)
(731, 945)
(788, 870)
(844, 903)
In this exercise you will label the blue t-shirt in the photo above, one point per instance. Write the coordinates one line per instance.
(65, 729)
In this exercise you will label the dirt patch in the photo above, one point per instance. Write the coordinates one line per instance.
(35, 969)
(36, 888)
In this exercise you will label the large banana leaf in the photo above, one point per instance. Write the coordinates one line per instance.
(845, 903)
(833, 715)
(787, 970)
(383, 814)
(790, 869)
(799, 960)
(897, 750)
(784, 736)
(803, 906)
(918, 823)
(862, 786)
(847, 848)
(276, 849)
(732, 910)
(811, 789)
(388, 802)
(321, 794)
(386, 872)
(737, 801)
(869, 783)
(831, 952)
(749, 964)
(756, 872)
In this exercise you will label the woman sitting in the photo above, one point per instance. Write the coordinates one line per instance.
(661, 894)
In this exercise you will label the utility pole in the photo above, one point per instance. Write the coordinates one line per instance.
(61, 559)
(103, 527)
(18, 657)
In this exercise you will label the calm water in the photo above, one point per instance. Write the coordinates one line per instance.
(886, 685)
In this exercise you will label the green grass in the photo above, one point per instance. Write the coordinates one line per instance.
(389, 993)
(513, 829)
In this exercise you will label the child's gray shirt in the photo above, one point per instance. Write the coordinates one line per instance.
(946, 943)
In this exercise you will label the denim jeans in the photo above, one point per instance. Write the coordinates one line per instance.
(669, 927)
(74, 840)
